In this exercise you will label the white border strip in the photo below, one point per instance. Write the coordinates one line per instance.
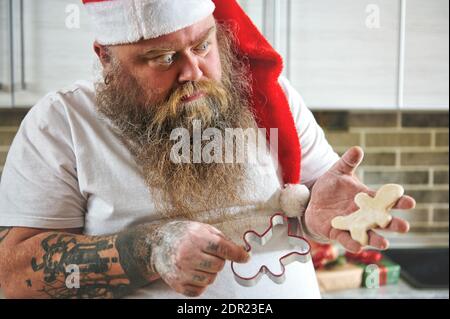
(401, 56)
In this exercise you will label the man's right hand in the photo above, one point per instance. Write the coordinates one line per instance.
(189, 255)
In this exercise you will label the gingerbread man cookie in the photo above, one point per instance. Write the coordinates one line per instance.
(372, 213)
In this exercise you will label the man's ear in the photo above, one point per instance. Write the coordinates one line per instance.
(103, 53)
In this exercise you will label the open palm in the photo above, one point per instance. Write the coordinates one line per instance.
(333, 195)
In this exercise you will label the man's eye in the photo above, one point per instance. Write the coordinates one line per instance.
(203, 47)
(166, 59)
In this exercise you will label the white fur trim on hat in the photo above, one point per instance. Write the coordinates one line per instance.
(128, 21)
(294, 199)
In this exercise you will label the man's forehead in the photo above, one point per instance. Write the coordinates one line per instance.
(183, 38)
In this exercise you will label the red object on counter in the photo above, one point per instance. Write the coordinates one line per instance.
(383, 274)
(365, 257)
(323, 254)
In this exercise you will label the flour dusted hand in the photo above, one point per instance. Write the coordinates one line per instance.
(372, 213)
(189, 255)
(333, 195)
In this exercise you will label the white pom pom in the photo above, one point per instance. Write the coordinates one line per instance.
(294, 199)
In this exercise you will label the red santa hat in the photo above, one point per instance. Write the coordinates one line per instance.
(269, 100)
(128, 21)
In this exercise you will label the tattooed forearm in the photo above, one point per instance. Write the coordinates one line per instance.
(4, 231)
(94, 260)
(135, 251)
(106, 267)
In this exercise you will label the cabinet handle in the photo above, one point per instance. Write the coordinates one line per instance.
(22, 48)
(11, 53)
(288, 39)
(264, 20)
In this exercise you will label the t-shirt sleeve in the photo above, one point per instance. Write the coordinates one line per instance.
(317, 154)
(39, 185)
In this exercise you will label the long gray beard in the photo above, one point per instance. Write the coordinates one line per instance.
(186, 190)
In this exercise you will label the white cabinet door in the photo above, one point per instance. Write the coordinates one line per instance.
(255, 10)
(55, 55)
(5, 74)
(426, 54)
(271, 18)
(339, 58)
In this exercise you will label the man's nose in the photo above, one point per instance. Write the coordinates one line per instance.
(190, 70)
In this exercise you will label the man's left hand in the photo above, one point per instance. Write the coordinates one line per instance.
(333, 195)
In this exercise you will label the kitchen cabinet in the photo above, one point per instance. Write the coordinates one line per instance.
(361, 54)
(51, 53)
(348, 54)
(5, 54)
(341, 59)
(338, 60)
(426, 54)
(255, 10)
(272, 19)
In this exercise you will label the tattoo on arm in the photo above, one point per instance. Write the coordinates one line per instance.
(135, 251)
(109, 266)
(91, 258)
(4, 231)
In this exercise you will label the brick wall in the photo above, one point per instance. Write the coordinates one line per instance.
(409, 148)
(9, 123)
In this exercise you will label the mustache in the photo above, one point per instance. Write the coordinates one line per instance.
(213, 99)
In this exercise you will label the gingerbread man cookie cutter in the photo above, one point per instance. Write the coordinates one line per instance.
(372, 212)
(300, 251)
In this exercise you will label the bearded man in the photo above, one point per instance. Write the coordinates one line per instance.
(92, 202)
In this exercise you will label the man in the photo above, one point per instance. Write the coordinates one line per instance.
(92, 202)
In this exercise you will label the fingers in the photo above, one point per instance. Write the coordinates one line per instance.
(377, 241)
(344, 238)
(226, 249)
(196, 283)
(222, 247)
(191, 290)
(200, 279)
(405, 202)
(210, 264)
(398, 225)
(215, 231)
(199, 257)
(348, 163)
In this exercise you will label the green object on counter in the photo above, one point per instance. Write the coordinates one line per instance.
(384, 272)
(341, 260)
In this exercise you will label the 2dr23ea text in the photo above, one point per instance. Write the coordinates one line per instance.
(225, 309)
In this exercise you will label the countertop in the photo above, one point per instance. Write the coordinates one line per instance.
(402, 290)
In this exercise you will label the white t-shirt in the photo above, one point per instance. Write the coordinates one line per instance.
(67, 168)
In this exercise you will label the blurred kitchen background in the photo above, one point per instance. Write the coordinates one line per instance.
(375, 73)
